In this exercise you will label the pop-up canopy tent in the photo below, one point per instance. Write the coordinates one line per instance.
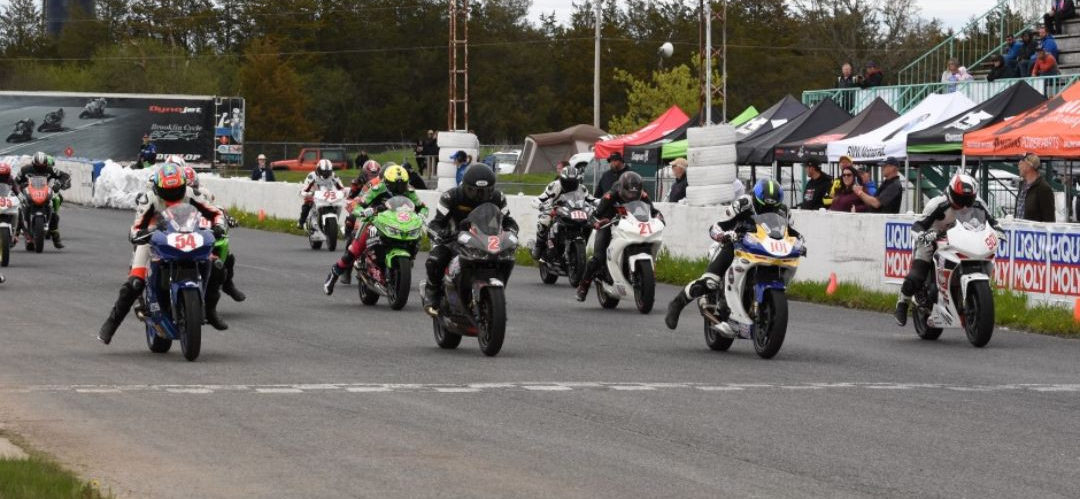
(677, 148)
(543, 150)
(773, 117)
(1048, 129)
(875, 115)
(947, 137)
(825, 115)
(891, 138)
(672, 119)
(650, 154)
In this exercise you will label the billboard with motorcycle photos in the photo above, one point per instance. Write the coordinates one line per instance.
(1041, 260)
(112, 126)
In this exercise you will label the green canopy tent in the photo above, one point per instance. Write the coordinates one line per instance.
(677, 149)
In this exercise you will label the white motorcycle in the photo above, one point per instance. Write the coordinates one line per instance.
(958, 293)
(323, 219)
(9, 222)
(631, 257)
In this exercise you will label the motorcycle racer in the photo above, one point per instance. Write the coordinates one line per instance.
(395, 182)
(569, 181)
(937, 218)
(42, 165)
(767, 197)
(368, 178)
(170, 189)
(323, 176)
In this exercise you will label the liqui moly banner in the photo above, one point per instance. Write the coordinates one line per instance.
(1029, 268)
(1065, 263)
(898, 250)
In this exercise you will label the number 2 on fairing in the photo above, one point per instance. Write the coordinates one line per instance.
(493, 243)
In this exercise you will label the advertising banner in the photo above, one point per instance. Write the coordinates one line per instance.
(111, 126)
(898, 250)
(1065, 263)
(1029, 261)
(229, 130)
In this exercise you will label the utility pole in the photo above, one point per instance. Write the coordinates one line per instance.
(596, 67)
(459, 66)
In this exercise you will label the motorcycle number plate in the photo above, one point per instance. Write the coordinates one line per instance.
(578, 215)
(185, 242)
(991, 241)
(330, 195)
(778, 247)
(403, 216)
(644, 228)
(6, 203)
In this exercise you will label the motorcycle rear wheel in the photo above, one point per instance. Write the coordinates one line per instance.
(445, 339)
(492, 326)
(400, 282)
(546, 275)
(5, 248)
(771, 327)
(714, 340)
(189, 322)
(644, 287)
(38, 231)
(919, 317)
(367, 296)
(979, 314)
(605, 301)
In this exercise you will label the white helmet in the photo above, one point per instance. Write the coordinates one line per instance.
(176, 159)
(324, 168)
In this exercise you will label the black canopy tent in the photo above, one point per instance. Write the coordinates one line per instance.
(824, 116)
(778, 115)
(875, 115)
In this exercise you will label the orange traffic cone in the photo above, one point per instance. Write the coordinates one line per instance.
(832, 284)
(1076, 311)
(262, 215)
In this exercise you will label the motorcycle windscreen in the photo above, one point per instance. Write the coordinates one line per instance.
(486, 219)
(5, 190)
(971, 219)
(774, 224)
(639, 210)
(181, 218)
(39, 182)
(573, 199)
(400, 204)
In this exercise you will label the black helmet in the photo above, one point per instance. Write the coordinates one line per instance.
(768, 195)
(962, 191)
(478, 184)
(40, 161)
(629, 187)
(569, 179)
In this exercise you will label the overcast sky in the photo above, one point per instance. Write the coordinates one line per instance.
(954, 12)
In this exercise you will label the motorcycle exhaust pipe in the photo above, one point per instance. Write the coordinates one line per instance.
(721, 327)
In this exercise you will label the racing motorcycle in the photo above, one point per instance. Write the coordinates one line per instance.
(172, 301)
(635, 240)
(54, 122)
(754, 287)
(565, 255)
(322, 223)
(94, 108)
(474, 302)
(9, 222)
(24, 131)
(39, 203)
(958, 294)
(385, 269)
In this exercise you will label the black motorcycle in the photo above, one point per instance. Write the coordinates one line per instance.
(474, 302)
(565, 250)
(24, 131)
(54, 122)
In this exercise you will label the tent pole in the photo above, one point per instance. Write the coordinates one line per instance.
(918, 188)
(907, 176)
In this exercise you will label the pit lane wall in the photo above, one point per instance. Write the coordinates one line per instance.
(1041, 260)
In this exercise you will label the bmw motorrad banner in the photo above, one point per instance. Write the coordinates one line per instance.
(1039, 259)
(111, 126)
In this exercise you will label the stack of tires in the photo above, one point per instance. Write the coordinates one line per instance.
(450, 143)
(711, 169)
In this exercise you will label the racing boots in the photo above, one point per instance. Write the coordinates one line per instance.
(129, 292)
(331, 280)
(674, 310)
(583, 289)
(901, 313)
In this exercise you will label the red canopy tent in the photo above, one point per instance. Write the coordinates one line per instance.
(1051, 129)
(671, 119)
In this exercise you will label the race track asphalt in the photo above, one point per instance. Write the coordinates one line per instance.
(315, 396)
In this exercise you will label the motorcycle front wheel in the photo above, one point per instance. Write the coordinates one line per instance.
(37, 228)
(644, 287)
(5, 247)
(771, 324)
(492, 326)
(575, 262)
(400, 281)
(979, 314)
(189, 322)
(331, 231)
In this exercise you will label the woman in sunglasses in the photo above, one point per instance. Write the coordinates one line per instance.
(845, 199)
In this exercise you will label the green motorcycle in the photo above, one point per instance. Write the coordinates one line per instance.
(385, 268)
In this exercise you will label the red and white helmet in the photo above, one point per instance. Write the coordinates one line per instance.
(190, 175)
(5, 172)
(176, 159)
(962, 191)
(371, 169)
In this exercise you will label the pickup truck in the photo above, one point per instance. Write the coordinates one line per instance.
(310, 156)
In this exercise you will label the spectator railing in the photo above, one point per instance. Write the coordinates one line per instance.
(971, 45)
(904, 97)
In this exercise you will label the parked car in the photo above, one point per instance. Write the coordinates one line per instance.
(310, 156)
(503, 162)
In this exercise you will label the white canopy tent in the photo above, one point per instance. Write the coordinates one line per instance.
(890, 139)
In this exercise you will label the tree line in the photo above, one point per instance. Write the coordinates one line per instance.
(377, 70)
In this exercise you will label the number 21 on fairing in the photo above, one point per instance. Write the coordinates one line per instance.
(644, 228)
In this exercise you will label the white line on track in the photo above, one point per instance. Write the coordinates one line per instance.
(548, 386)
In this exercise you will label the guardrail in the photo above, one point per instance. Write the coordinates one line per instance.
(904, 97)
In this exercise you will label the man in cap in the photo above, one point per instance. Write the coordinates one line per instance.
(890, 194)
(678, 189)
(608, 179)
(262, 171)
(874, 77)
(817, 186)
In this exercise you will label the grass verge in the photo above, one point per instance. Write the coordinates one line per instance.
(41, 478)
(1012, 309)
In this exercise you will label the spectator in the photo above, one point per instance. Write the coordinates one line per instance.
(1034, 198)
(1060, 10)
(845, 162)
(262, 170)
(951, 76)
(846, 78)
(874, 77)
(147, 153)
(1026, 59)
(678, 188)
(891, 192)
(616, 168)
(816, 187)
(866, 180)
(461, 160)
(361, 159)
(998, 71)
(1012, 55)
(965, 75)
(1045, 64)
(429, 150)
(846, 200)
(1047, 41)
(414, 177)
